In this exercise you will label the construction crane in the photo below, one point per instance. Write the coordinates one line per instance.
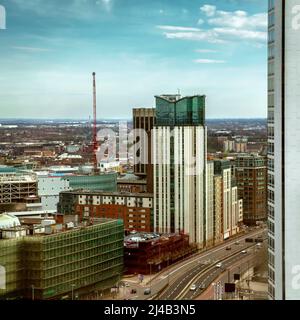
(95, 142)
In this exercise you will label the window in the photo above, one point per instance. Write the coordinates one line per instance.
(271, 84)
(271, 36)
(271, 196)
(271, 275)
(271, 19)
(271, 51)
(271, 67)
(271, 243)
(271, 4)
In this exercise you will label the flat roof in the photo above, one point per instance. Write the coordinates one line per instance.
(105, 193)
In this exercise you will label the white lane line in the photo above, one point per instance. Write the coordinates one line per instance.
(213, 251)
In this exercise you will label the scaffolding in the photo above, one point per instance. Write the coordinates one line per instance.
(12, 264)
(80, 260)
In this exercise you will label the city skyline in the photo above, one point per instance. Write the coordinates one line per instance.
(138, 50)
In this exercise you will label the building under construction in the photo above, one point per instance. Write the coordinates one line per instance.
(54, 261)
(147, 253)
(17, 188)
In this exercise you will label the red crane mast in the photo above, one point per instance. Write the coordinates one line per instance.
(95, 142)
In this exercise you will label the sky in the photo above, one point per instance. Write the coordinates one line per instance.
(138, 49)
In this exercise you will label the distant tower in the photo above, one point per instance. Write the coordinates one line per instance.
(95, 143)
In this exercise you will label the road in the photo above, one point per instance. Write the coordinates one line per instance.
(242, 261)
(208, 267)
(176, 277)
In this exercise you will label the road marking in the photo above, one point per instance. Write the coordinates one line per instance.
(216, 250)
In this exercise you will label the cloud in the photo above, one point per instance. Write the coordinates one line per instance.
(107, 4)
(206, 51)
(223, 27)
(31, 49)
(176, 28)
(208, 10)
(208, 61)
(239, 19)
(75, 9)
(242, 34)
(188, 33)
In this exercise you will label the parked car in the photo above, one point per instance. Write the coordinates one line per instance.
(219, 265)
(244, 252)
(133, 291)
(228, 248)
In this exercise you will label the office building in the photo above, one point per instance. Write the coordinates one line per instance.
(54, 261)
(104, 182)
(179, 154)
(49, 188)
(51, 184)
(251, 177)
(143, 119)
(284, 149)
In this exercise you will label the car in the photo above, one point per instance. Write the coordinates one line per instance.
(202, 286)
(133, 291)
(219, 265)
(228, 248)
(193, 287)
(147, 292)
(127, 285)
(237, 243)
(244, 252)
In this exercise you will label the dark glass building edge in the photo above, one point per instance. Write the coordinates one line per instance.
(186, 111)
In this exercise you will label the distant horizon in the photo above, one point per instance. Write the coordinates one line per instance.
(115, 119)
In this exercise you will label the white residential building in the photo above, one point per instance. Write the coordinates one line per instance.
(284, 149)
(179, 154)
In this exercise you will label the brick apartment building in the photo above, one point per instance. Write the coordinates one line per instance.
(134, 209)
